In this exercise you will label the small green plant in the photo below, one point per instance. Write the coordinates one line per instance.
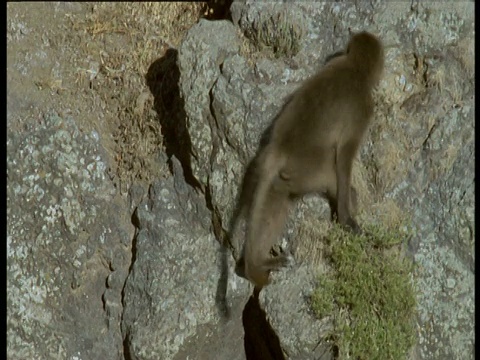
(278, 33)
(368, 294)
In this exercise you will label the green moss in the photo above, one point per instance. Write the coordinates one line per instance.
(369, 295)
(278, 33)
(322, 299)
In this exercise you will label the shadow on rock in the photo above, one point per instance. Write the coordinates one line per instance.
(162, 79)
(260, 341)
(219, 10)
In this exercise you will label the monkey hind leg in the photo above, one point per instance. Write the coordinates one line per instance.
(260, 275)
(350, 224)
(275, 263)
(267, 221)
(257, 275)
(331, 197)
(270, 264)
(353, 200)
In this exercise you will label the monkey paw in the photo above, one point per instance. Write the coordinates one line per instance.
(352, 226)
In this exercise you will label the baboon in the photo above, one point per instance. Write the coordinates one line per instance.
(310, 149)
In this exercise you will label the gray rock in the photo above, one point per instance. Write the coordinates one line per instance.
(62, 245)
(170, 292)
(78, 288)
(419, 153)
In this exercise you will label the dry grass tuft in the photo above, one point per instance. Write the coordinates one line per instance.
(312, 232)
(310, 242)
(272, 36)
(148, 25)
(390, 166)
(125, 39)
(361, 184)
(466, 51)
(139, 141)
(54, 85)
(437, 78)
(279, 33)
(388, 214)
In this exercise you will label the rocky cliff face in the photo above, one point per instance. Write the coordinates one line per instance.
(94, 273)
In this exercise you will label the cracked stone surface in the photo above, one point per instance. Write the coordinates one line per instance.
(93, 273)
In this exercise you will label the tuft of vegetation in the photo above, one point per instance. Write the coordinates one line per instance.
(278, 33)
(125, 39)
(368, 294)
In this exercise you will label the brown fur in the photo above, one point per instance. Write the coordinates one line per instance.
(311, 148)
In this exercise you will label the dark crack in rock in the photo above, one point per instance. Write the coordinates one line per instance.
(418, 155)
(69, 247)
(170, 292)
